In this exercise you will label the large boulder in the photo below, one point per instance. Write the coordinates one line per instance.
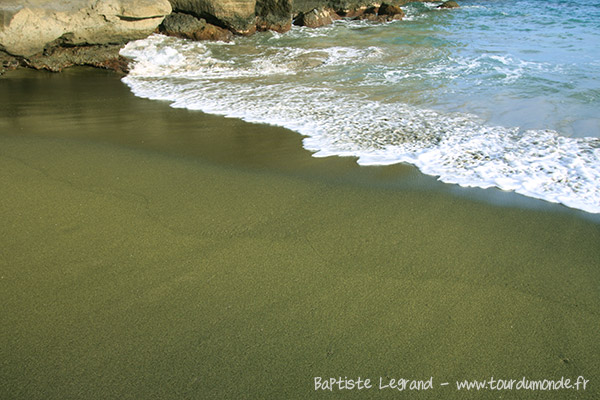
(28, 27)
(237, 15)
(189, 27)
(389, 9)
(316, 17)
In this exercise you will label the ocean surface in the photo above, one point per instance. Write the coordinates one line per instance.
(497, 93)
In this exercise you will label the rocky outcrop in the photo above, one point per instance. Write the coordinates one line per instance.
(356, 8)
(28, 27)
(449, 4)
(247, 16)
(53, 34)
(36, 29)
(189, 27)
(56, 59)
(316, 17)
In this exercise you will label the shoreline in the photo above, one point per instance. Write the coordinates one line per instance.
(267, 148)
(148, 270)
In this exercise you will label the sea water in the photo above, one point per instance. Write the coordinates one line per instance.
(496, 93)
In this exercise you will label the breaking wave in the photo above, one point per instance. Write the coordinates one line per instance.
(313, 90)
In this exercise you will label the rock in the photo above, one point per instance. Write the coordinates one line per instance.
(235, 15)
(274, 15)
(340, 5)
(58, 58)
(30, 26)
(247, 16)
(389, 9)
(344, 8)
(316, 18)
(351, 13)
(449, 4)
(353, 9)
(372, 10)
(304, 6)
(7, 62)
(189, 27)
(384, 13)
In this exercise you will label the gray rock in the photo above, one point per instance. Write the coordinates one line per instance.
(189, 27)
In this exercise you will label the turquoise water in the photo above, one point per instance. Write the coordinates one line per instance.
(494, 94)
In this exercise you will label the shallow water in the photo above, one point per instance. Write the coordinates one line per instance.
(465, 95)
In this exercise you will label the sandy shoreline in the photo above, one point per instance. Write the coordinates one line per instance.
(200, 271)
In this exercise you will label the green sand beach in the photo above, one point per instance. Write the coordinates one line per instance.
(155, 253)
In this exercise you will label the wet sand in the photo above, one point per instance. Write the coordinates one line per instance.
(150, 253)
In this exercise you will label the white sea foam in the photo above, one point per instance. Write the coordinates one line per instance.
(456, 147)
(507, 68)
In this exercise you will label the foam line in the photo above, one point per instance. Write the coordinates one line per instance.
(457, 148)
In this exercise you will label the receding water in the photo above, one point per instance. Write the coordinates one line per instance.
(494, 94)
